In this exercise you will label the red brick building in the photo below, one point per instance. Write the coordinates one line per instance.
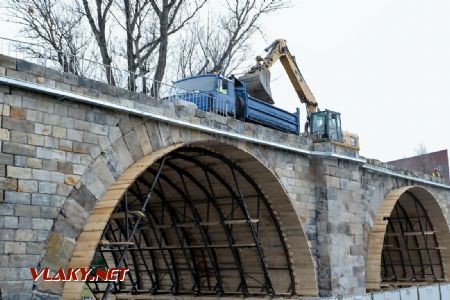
(425, 163)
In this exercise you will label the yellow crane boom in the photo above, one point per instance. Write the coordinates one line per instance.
(278, 50)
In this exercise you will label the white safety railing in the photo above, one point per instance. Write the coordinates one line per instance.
(426, 292)
(123, 79)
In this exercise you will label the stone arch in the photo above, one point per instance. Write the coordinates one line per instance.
(408, 220)
(293, 235)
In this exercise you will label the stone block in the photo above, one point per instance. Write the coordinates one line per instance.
(26, 235)
(52, 119)
(7, 61)
(6, 159)
(71, 179)
(114, 134)
(90, 138)
(42, 224)
(6, 209)
(83, 197)
(9, 274)
(24, 223)
(42, 235)
(17, 124)
(41, 200)
(12, 99)
(11, 222)
(7, 234)
(78, 147)
(5, 134)
(17, 112)
(42, 129)
(35, 247)
(63, 189)
(27, 211)
(75, 135)
(18, 137)
(20, 161)
(8, 183)
(6, 110)
(17, 197)
(49, 212)
(47, 175)
(65, 167)
(51, 142)
(48, 153)
(17, 172)
(59, 132)
(45, 106)
(143, 140)
(34, 115)
(122, 153)
(19, 149)
(79, 169)
(24, 260)
(57, 201)
(15, 247)
(35, 139)
(65, 145)
(47, 187)
(27, 186)
(49, 165)
(93, 184)
(76, 113)
(132, 143)
(99, 129)
(34, 163)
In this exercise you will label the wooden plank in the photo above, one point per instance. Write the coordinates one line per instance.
(121, 215)
(109, 243)
(410, 233)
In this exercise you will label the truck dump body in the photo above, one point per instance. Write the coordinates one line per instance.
(227, 97)
(266, 114)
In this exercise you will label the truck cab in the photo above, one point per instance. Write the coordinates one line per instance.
(211, 92)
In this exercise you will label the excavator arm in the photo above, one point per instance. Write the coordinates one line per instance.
(278, 50)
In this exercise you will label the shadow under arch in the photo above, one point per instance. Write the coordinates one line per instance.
(409, 242)
(301, 276)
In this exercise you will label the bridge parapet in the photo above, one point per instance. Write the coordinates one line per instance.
(80, 89)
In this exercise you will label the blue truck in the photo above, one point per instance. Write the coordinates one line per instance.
(229, 97)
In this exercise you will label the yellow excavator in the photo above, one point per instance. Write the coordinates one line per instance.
(321, 125)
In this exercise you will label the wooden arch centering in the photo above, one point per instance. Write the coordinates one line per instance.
(305, 277)
(378, 232)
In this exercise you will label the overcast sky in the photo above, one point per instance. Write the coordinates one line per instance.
(385, 65)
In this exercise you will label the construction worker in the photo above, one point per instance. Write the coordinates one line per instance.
(435, 173)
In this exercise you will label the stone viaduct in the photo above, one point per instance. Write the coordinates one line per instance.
(197, 204)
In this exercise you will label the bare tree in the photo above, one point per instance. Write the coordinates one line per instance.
(224, 44)
(54, 24)
(421, 149)
(97, 18)
(173, 15)
(148, 24)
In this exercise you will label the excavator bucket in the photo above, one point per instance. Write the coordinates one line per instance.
(258, 84)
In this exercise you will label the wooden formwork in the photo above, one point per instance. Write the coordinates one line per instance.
(193, 222)
(409, 242)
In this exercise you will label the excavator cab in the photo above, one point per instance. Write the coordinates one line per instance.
(326, 125)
